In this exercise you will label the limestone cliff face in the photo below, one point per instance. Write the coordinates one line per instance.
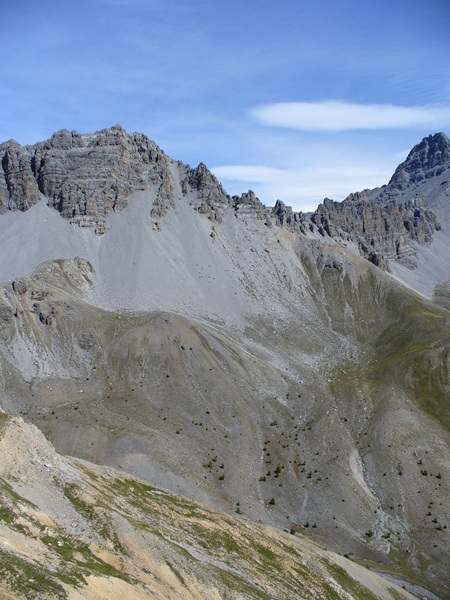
(386, 223)
(84, 177)
(286, 217)
(382, 228)
(248, 205)
(207, 194)
(87, 176)
(18, 187)
(428, 159)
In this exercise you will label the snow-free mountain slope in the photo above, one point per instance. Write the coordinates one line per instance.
(232, 353)
(73, 529)
(404, 225)
(346, 411)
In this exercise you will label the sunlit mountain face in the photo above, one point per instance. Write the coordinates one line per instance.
(220, 372)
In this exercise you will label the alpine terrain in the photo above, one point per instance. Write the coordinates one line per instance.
(203, 397)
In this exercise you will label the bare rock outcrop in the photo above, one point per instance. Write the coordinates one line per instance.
(383, 229)
(210, 197)
(84, 177)
(286, 217)
(248, 205)
(389, 223)
(18, 187)
(87, 176)
(430, 158)
(164, 197)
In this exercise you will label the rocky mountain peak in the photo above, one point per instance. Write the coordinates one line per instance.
(391, 222)
(87, 176)
(63, 140)
(206, 194)
(258, 364)
(286, 217)
(249, 205)
(83, 176)
(202, 180)
(427, 159)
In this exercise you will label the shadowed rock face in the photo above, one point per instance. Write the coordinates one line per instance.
(18, 187)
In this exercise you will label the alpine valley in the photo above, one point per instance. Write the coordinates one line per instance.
(206, 398)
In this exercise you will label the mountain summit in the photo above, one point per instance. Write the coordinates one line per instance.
(428, 159)
(86, 177)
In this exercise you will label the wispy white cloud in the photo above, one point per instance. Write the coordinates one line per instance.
(303, 189)
(335, 115)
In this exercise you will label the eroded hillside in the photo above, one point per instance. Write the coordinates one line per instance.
(71, 529)
(232, 354)
(337, 428)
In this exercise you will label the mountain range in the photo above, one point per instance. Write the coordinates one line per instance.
(199, 355)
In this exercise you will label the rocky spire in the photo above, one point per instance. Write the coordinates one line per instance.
(427, 159)
(18, 187)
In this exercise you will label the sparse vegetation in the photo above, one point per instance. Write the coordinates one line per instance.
(333, 395)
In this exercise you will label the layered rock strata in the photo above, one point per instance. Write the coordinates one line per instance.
(84, 177)
(87, 176)
(390, 222)
(383, 228)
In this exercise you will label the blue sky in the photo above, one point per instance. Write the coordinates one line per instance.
(296, 100)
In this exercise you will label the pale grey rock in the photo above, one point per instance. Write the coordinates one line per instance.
(18, 187)
(89, 177)
(391, 223)
(164, 197)
(248, 205)
(383, 229)
(210, 198)
(6, 315)
(84, 177)
(428, 159)
(253, 323)
(289, 219)
(20, 286)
